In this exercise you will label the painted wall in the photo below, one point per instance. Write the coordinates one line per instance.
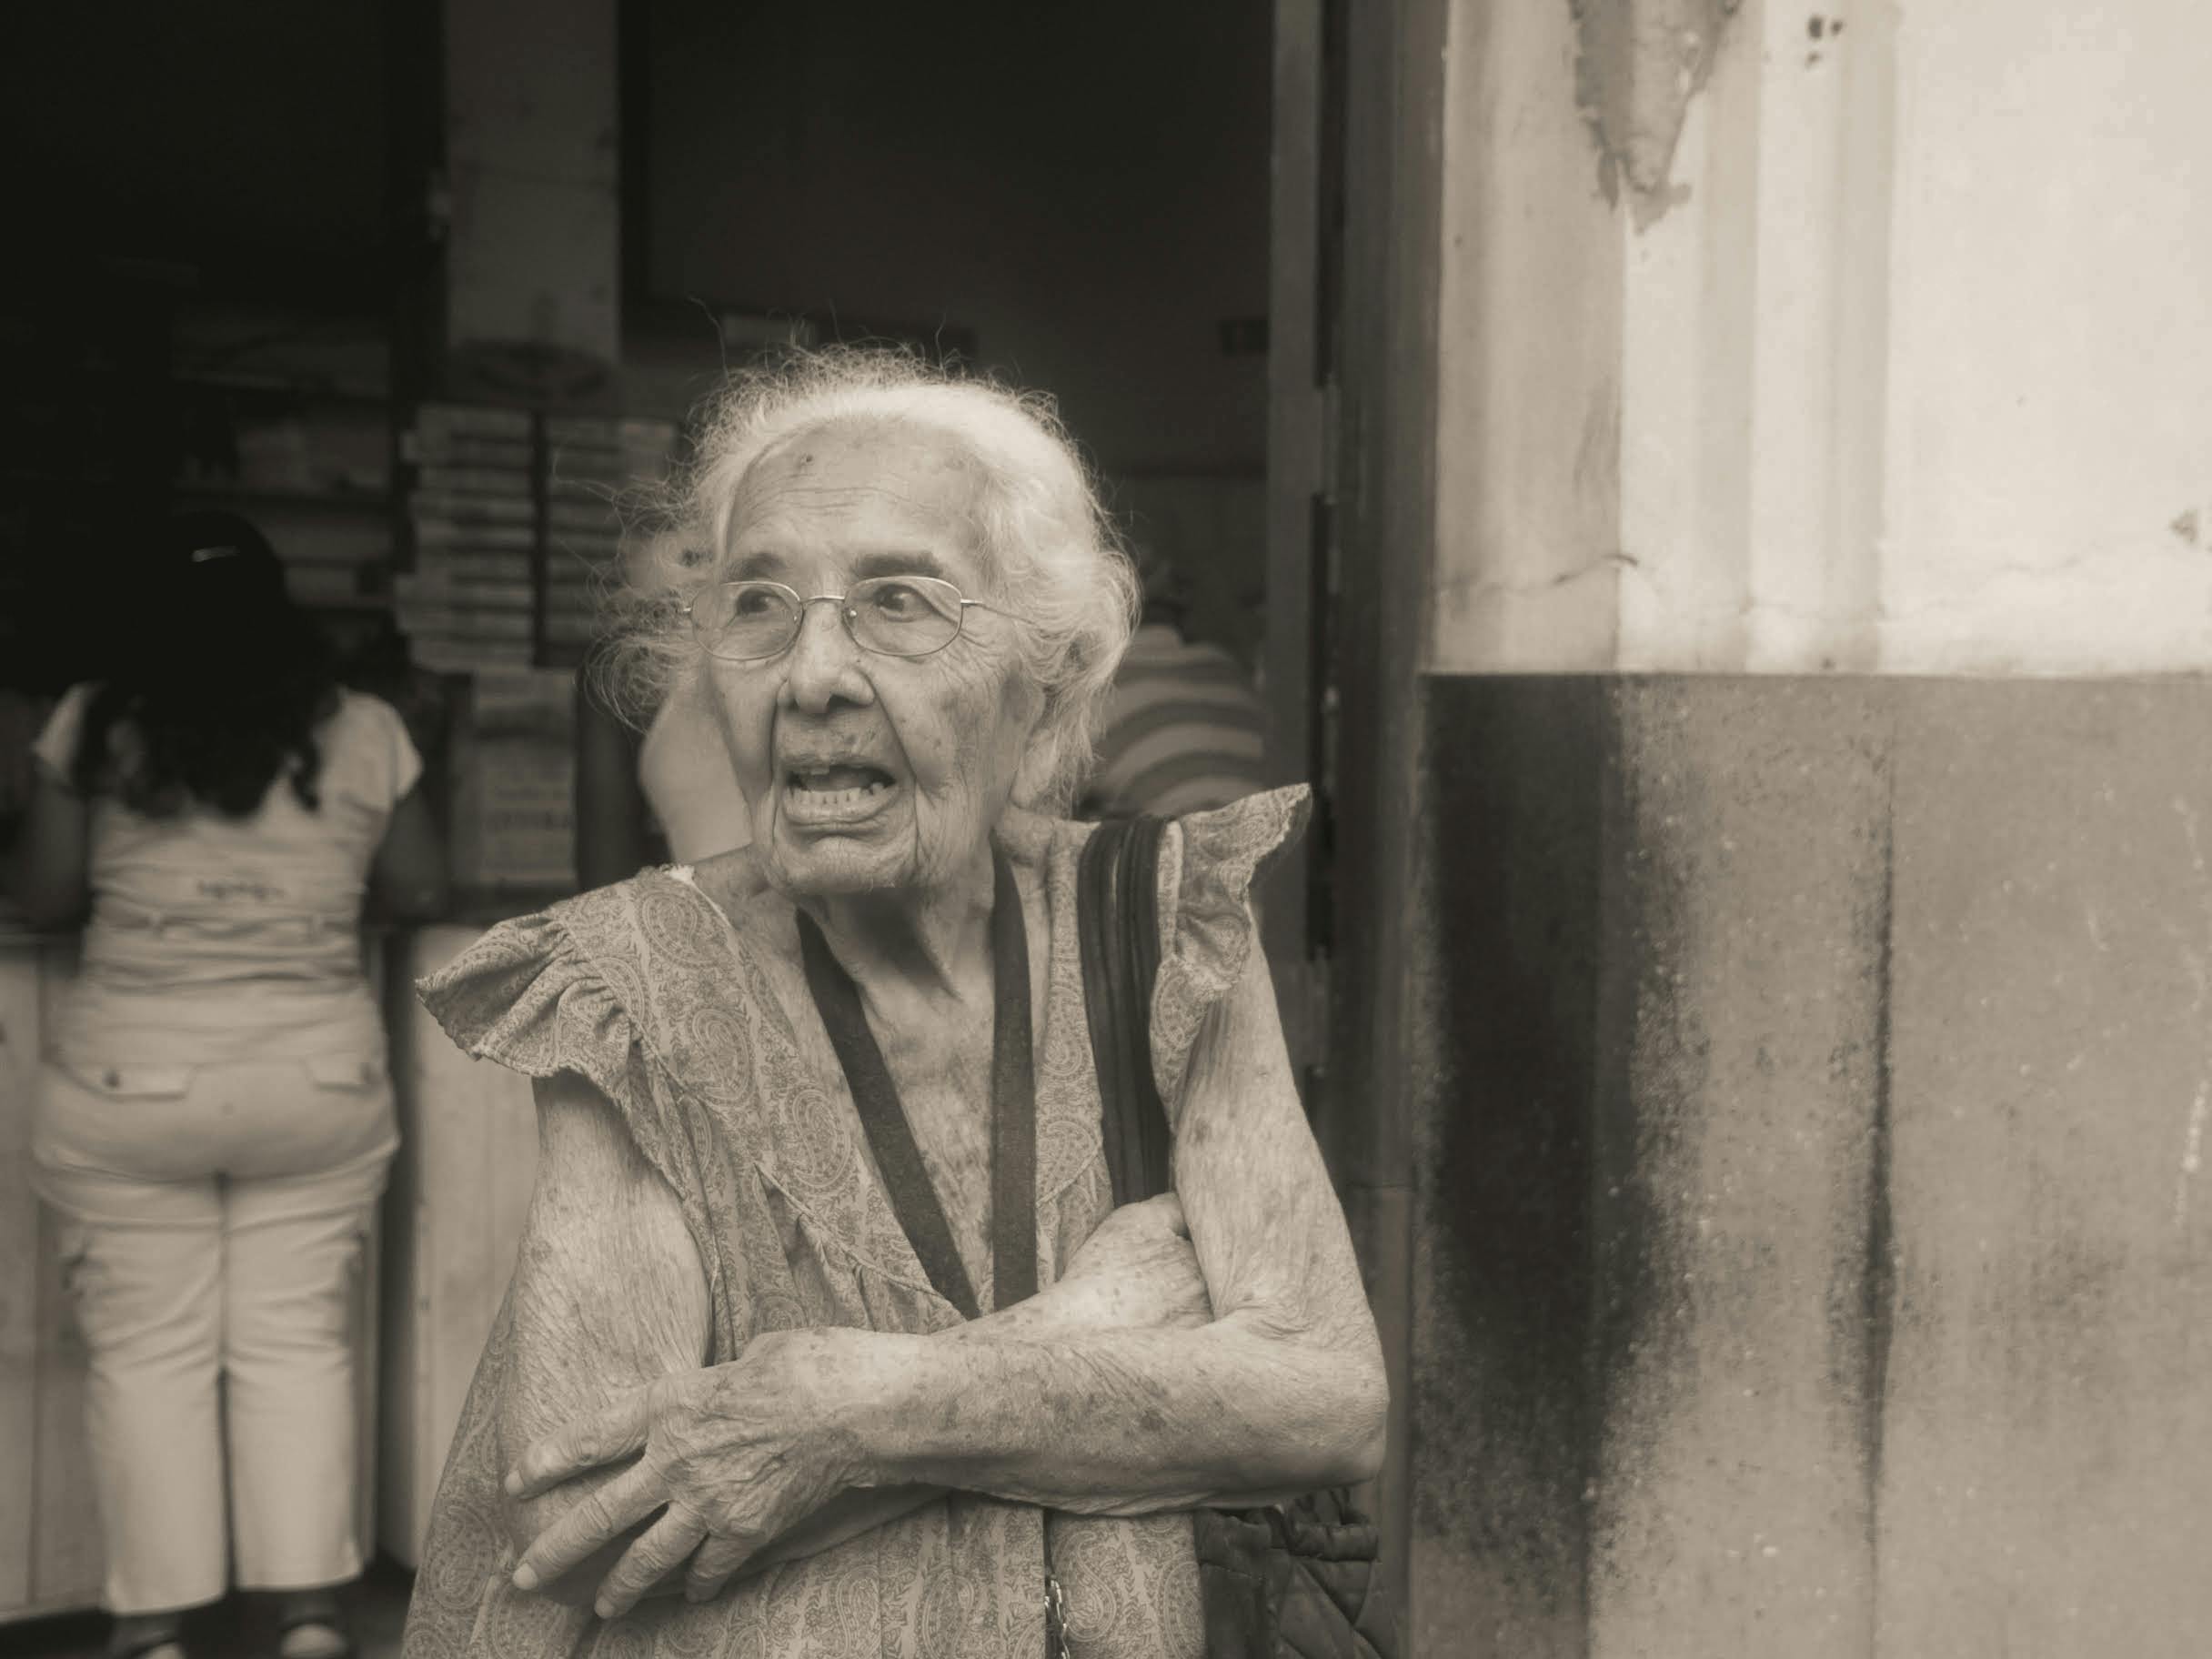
(1806, 961)
(1859, 335)
(2050, 390)
(1812, 1253)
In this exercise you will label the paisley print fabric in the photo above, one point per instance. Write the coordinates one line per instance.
(667, 1002)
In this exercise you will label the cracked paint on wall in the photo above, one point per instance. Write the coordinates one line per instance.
(1639, 64)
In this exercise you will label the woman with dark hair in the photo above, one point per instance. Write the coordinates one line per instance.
(215, 1121)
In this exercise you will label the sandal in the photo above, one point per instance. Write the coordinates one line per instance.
(165, 1641)
(313, 1635)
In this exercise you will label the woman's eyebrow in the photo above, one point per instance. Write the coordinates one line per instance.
(897, 562)
(758, 563)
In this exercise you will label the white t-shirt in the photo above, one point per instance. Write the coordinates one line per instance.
(214, 938)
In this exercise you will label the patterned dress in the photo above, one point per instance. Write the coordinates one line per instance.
(667, 1001)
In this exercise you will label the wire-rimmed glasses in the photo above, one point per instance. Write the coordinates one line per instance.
(893, 616)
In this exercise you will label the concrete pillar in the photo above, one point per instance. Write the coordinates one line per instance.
(533, 297)
(1800, 1070)
(1812, 1252)
(1648, 1087)
(510, 148)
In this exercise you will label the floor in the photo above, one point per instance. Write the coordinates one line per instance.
(232, 1630)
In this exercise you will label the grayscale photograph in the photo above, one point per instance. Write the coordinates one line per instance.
(1226, 829)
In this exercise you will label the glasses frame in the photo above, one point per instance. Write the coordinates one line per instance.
(846, 615)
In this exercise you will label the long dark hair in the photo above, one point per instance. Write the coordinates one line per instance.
(219, 679)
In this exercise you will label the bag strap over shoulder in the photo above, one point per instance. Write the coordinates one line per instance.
(1302, 1577)
(891, 1137)
(1118, 922)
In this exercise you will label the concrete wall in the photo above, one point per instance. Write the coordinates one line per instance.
(1806, 954)
(532, 142)
(2050, 387)
(1789, 338)
(1814, 1255)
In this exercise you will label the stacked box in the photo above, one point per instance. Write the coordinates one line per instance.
(471, 600)
(514, 781)
(482, 526)
(601, 476)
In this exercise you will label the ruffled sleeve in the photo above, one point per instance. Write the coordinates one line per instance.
(525, 996)
(530, 996)
(1208, 863)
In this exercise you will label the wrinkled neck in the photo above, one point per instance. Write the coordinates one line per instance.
(935, 940)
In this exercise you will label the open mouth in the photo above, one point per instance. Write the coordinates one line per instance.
(843, 793)
(835, 785)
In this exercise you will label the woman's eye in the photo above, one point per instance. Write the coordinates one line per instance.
(897, 601)
(752, 602)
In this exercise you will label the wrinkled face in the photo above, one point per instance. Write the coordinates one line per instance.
(863, 772)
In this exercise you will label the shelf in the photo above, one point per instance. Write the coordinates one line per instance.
(277, 387)
(13, 476)
(320, 500)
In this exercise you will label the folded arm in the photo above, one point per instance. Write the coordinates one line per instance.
(609, 1295)
(810, 1436)
(1281, 1392)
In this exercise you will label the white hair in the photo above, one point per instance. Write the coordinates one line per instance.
(1049, 549)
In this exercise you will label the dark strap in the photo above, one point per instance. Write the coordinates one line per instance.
(1118, 923)
(1304, 1575)
(1013, 1135)
(1013, 1101)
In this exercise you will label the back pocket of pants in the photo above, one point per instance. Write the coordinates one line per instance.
(131, 1080)
(346, 1071)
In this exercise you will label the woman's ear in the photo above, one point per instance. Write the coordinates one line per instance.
(693, 683)
(1042, 782)
(1030, 779)
(1036, 778)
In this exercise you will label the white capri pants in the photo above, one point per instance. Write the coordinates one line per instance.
(213, 1220)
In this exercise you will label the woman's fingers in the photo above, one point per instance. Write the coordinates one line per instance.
(657, 1554)
(613, 1431)
(722, 1555)
(596, 1517)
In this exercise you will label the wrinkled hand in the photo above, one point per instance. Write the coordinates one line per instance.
(737, 1454)
(1139, 1270)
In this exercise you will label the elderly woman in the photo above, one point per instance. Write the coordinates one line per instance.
(728, 1407)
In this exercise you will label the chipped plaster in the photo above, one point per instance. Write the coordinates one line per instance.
(1639, 64)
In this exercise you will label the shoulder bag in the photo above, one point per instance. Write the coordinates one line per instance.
(1293, 1581)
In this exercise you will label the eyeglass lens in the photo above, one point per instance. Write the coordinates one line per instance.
(897, 616)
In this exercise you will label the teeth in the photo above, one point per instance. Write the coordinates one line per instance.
(810, 783)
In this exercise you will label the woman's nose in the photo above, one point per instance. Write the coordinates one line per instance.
(824, 666)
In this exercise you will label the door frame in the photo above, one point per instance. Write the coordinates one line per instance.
(1355, 259)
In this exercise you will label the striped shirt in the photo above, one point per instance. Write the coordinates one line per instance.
(1184, 730)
